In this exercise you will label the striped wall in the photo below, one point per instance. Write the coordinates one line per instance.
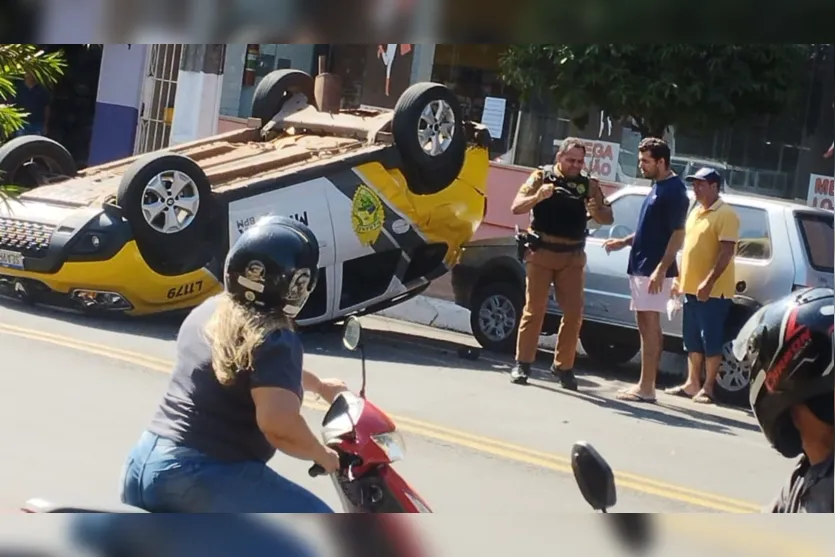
(118, 102)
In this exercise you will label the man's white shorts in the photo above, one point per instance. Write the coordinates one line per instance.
(642, 300)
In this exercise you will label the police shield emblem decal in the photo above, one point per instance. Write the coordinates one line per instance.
(367, 215)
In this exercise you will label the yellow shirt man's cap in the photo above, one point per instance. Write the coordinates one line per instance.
(708, 175)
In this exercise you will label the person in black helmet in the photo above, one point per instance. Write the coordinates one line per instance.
(789, 344)
(236, 391)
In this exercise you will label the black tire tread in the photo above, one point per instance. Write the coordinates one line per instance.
(426, 175)
(164, 252)
(267, 98)
(14, 152)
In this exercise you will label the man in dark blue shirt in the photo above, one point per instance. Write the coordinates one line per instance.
(652, 261)
(32, 97)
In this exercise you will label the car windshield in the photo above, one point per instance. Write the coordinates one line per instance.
(816, 230)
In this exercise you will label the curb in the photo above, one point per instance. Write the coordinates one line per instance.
(446, 315)
(441, 314)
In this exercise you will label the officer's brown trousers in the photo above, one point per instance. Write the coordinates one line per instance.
(566, 271)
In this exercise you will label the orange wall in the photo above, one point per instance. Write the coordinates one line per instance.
(228, 123)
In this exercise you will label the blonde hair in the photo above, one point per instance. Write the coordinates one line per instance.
(235, 331)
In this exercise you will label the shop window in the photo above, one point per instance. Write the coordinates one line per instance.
(472, 72)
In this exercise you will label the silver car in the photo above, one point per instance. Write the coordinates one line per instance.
(783, 246)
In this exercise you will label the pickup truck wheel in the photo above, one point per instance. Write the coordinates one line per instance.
(32, 161)
(495, 313)
(429, 133)
(601, 349)
(168, 201)
(734, 377)
(276, 88)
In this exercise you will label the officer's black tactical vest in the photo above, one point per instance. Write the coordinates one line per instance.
(564, 213)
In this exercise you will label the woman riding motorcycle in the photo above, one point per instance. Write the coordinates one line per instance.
(235, 395)
(789, 345)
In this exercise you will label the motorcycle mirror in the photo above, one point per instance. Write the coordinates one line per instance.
(594, 476)
(352, 340)
(352, 333)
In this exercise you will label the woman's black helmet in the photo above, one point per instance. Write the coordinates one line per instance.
(273, 266)
(789, 346)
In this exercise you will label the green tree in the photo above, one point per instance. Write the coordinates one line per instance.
(652, 86)
(15, 61)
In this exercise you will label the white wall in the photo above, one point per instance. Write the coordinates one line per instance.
(122, 74)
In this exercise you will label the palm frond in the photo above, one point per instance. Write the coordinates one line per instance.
(16, 60)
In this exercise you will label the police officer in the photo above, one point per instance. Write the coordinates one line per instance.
(560, 198)
(789, 345)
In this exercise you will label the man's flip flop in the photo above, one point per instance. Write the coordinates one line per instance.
(703, 398)
(634, 397)
(678, 391)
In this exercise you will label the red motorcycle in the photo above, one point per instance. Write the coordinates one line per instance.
(368, 444)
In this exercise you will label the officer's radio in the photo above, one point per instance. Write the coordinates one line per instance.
(576, 187)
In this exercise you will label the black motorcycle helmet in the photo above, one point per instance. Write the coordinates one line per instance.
(789, 344)
(273, 266)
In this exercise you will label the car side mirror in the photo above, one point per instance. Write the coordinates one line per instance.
(594, 476)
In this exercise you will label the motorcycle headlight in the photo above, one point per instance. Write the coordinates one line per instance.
(392, 444)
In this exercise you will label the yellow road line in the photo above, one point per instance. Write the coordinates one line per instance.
(478, 443)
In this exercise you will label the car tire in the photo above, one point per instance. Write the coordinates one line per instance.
(18, 154)
(488, 304)
(601, 349)
(429, 172)
(276, 88)
(734, 377)
(169, 249)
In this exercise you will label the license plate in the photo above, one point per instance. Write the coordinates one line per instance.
(11, 259)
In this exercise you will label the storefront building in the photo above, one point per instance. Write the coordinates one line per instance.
(780, 157)
(775, 156)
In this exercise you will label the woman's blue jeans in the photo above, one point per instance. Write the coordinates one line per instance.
(163, 477)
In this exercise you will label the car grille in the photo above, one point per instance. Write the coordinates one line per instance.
(29, 238)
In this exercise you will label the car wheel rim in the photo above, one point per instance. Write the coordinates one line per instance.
(170, 202)
(497, 318)
(733, 375)
(436, 128)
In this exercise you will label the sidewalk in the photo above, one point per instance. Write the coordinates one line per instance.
(436, 308)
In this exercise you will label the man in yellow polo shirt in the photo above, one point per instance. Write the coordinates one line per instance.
(707, 282)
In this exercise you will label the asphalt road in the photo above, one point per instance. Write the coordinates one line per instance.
(77, 392)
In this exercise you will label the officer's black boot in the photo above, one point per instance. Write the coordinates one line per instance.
(566, 377)
(520, 373)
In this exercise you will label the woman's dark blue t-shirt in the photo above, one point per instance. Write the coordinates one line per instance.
(198, 412)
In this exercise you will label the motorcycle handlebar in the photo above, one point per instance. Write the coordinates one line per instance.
(345, 460)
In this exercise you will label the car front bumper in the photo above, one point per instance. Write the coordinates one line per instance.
(90, 262)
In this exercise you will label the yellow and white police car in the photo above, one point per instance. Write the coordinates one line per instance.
(391, 195)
